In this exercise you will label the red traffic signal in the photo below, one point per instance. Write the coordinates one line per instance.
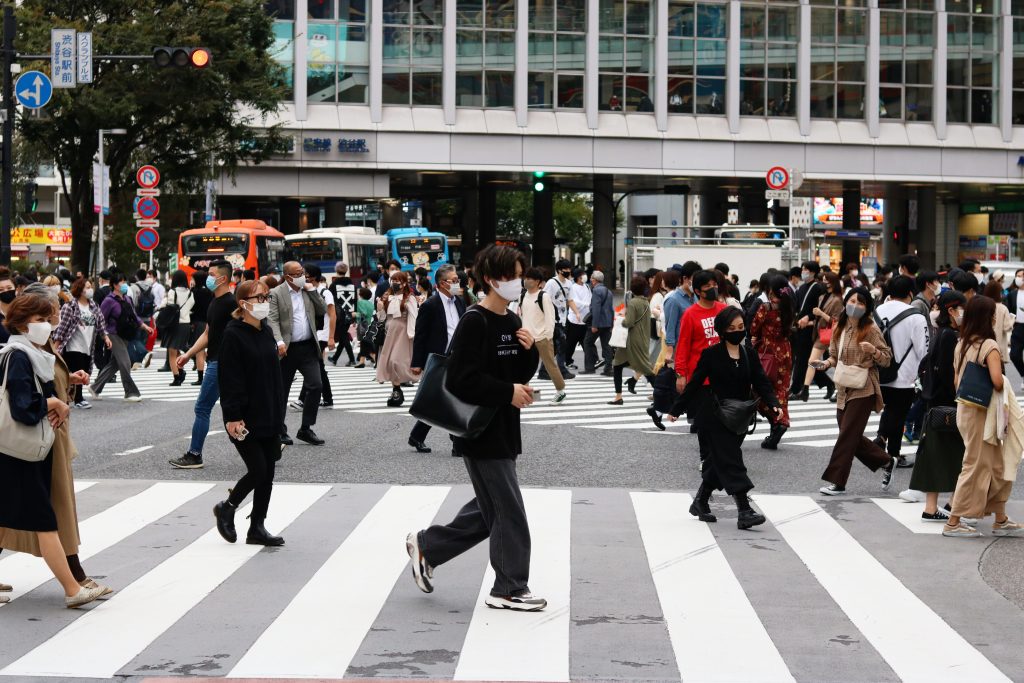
(179, 57)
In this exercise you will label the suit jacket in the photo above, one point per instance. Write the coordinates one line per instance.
(281, 312)
(602, 310)
(807, 297)
(432, 329)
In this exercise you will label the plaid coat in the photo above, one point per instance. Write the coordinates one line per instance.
(71, 318)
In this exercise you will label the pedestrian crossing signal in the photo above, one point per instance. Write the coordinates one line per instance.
(538, 181)
(180, 57)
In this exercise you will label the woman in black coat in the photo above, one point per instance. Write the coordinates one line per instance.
(731, 369)
(251, 391)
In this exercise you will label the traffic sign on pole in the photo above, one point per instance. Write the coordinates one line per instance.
(777, 178)
(148, 177)
(147, 239)
(85, 57)
(777, 194)
(63, 57)
(147, 192)
(33, 89)
(148, 208)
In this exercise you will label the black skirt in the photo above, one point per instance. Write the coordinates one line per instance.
(177, 337)
(940, 455)
(25, 494)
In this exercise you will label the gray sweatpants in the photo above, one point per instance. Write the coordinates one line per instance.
(119, 362)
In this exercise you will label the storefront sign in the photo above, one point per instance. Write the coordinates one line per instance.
(344, 145)
(46, 234)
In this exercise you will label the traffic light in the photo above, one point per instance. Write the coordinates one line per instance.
(31, 200)
(180, 57)
(538, 181)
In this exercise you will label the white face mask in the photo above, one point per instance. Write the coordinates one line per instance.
(260, 311)
(586, 278)
(980, 277)
(38, 333)
(455, 290)
(54, 288)
(854, 273)
(88, 294)
(509, 290)
(937, 288)
(299, 281)
(1019, 281)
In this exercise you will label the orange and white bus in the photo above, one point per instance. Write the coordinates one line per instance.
(245, 244)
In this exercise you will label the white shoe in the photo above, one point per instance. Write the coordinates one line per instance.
(422, 572)
(136, 366)
(912, 496)
(92, 393)
(134, 398)
(83, 597)
(558, 399)
(524, 602)
(295, 405)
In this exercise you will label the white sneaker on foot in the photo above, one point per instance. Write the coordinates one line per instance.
(83, 597)
(93, 393)
(422, 572)
(524, 602)
(558, 399)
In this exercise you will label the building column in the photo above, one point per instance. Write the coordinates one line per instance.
(926, 228)
(1005, 88)
(661, 65)
(391, 216)
(376, 72)
(851, 222)
(591, 105)
(732, 69)
(522, 95)
(301, 63)
(895, 221)
(803, 72)
(448, 73)
(544, 228)
(488, 203)
(289, 215)
(714, 208)
(470, 219)
(753, 209)
(334, 213)
(939, 71)
(871, 95)
(604, 228)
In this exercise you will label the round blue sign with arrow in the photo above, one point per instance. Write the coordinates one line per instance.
(33, 89)
(147, 239)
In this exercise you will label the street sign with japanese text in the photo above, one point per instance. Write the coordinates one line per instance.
(101, 189)
(63, 57)
(84, 41)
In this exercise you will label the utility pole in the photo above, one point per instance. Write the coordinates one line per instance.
(10, 30)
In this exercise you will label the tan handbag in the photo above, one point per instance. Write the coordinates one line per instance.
(849, 376)
(22, 441)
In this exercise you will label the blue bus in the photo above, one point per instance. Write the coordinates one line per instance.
(418, 248)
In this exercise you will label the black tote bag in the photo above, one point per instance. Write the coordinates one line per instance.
(975, 385)
(440, 408)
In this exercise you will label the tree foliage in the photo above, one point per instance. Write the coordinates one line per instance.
(573, 216)
(175, 118)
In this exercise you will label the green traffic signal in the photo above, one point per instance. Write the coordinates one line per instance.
(538, 174)
(538, 187)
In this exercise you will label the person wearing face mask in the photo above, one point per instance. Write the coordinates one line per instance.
(122, 325)
(492, 359)
(538, 316)
(178, 304)
(557, 290)
(81, 328)
(203, 297)
(53, 284)
(769, 335)
(858, 344)
(7, 294)
(26, 503)
(436, 321)
(729, 370)
(250, 383)
(398, 310)
(218, 315)
(806, 299)
(578, 316)
(384, 283)
(636, 354)
(1004, 321)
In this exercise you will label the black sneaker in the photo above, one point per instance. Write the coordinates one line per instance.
(939, 515)
(189, 461)
(523, 602)
(422, 572)
(832, 490)
(887, 473)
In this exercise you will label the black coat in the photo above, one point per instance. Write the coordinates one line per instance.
(249, 377)
(726, 379)
(807, 297)
(432, 329)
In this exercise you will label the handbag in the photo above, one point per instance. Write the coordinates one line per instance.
(739, 417)
(825, 335)
(620, 335)
(975, 387)
(168, 316)
(438, 407)
(373, 337)
(849, 376)
(30, 443)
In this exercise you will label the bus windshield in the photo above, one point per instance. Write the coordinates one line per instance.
(420, 251)
(314, 249)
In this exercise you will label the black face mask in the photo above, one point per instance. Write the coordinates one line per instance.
(395, 287)
(8, 296)
(711, 294)
(735, 338)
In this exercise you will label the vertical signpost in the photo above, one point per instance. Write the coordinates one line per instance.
(63, 57)
(147, 210)
(84, 58)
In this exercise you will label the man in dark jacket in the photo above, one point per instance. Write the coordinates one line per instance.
(435, 325)
(806, 300)
(602, 312)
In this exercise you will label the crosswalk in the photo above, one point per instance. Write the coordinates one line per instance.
(356, 391)
(637, 589)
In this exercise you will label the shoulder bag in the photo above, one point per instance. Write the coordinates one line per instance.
(438, 407)
(30, 443)
(849, 376)
(736, 415)
(620, 335)
(168, 316)
(975, 387)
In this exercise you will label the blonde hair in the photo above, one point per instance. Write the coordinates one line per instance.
(54, 281)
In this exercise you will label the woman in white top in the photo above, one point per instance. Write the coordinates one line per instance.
(658, 292)
(176, 335)
(81, 327)
(576, 330)
(1003, 324)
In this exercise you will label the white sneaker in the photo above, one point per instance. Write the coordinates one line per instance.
(134, 398)
(422, 572)
(83, 597)
(558, 399)
(136, 366)
(295, 405)
(912, 496)
(92, 393)
(524, 602)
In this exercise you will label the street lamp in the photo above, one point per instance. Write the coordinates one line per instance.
(100, 258)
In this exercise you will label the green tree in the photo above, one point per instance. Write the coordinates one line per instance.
(573, 217)
(175, 118)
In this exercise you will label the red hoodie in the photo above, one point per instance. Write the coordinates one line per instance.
(696, 333)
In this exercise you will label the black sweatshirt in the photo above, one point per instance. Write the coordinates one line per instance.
(727, 378)
(486, 361)
(249, 376)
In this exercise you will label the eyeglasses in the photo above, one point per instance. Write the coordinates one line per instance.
(260, 298)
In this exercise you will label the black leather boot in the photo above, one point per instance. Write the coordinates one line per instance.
(258, 534)
(771, 442)
(748, 517)
(397, 398)
(224, 512)
(803, 395)
(701, 507)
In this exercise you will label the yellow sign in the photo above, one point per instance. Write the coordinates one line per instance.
(40, 234)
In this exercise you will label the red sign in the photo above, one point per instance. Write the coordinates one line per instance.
(148, 208)
(147, 176)
(147, 239)
(777, 178)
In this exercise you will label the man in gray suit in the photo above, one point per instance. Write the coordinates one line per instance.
(602, 318)
(295, 311)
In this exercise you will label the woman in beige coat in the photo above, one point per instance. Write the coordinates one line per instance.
(397, 309)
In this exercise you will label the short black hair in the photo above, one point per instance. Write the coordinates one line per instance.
(963, 282)
(105, 275)
(179, 279)
(248, 274)
(222, 268)
(534, 273)
(690, 268)
(796, 271)
(724, 267)
(910, 263)
(968, 265)
(562, 264)
(638, 285)
(393, 262)
(365, 293)
(116, 278)
(141, 274)
(947, 299)
(313, 271)
(901, 287)
(704, 277)
(496, 262)
(924, 278)
(812, 266)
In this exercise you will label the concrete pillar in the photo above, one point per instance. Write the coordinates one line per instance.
(544, 229)
(851, 222)
(289, 216)
(604, 227)
(714, 207)
(334, 213)
(488, 202)
(470, 219)
(753, 209)
(391, 216)
(895, 221)
(926, 228)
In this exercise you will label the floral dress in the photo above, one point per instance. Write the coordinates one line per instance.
(766, 333)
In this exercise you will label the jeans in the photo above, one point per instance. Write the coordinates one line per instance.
(590, 348)
(496, 513)
(209, 394)
(915, 418)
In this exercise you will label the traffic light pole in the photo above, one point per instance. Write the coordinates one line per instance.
(7, 198)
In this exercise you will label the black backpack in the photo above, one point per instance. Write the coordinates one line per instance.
(540, 302)
(127, 326)
(146, 304)
(892, 372)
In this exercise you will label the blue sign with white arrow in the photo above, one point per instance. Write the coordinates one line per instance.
(33, 89)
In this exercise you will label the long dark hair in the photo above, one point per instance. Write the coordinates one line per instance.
(779, 287)
(979, 323)
(866, 320)
(947, 300)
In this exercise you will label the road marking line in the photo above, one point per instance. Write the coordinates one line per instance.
(83, 485)
(133, 451)
(908, 514)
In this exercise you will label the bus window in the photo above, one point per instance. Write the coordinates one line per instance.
(269, 253)
(202, 250)
(419, 251)
(363, 259)
(315, 250)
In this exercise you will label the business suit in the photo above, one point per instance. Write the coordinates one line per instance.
(431, 337)
(602, 317)
(302, 356)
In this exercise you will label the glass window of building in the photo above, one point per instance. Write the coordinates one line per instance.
(768, 51)
(839, 38)
(280, 9)
(557, 53)
(697, 33)
(907, 39)
(338, 61)
(485, 52)
(626, 55)
(972, 64)
(1018, 63)
(413, 48)
(282, 50)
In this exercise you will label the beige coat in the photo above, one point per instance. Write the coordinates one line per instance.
(62, 487)
(1003, 327)
(851, 354)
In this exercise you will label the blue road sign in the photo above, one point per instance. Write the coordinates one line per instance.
(147, 239)
(33, 89)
